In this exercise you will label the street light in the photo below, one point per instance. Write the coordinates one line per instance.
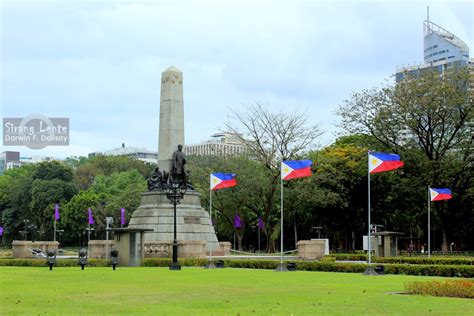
(82, 258)
(51, 259)
(175, 192)
(318, 229)
(109, 221)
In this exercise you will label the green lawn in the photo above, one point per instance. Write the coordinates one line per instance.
(196, 291)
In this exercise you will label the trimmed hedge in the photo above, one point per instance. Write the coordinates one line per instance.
(166, 262)
(409, 260)
(349, 256)
(448, 288)
(466, 271)
(59, 263)
(423, 260)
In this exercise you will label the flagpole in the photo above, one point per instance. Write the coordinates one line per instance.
(281, 267)
(368, 203)
(429, 222)
(210, 265)
(210, 217)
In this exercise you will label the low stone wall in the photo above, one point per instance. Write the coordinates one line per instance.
(98, 249)
(186, 249)
(22, 248)
(225, 248)
(311, 249)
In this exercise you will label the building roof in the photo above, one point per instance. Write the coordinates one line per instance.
(430, 27)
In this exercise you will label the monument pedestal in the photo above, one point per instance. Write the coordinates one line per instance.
(192, 222)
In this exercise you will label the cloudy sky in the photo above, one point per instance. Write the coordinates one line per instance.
(100, 63)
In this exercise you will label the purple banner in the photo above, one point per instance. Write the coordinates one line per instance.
(122, 216)
(237, 221)
(56, 212)
(91, 218)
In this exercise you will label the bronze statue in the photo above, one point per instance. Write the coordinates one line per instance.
(178, 172)
(155, 182)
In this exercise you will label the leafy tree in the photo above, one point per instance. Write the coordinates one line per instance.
(435, 111)
(15, 196)
(271, 138)
(106, 165)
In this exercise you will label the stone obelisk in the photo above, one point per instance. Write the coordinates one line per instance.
(171, 131)
(194, 228)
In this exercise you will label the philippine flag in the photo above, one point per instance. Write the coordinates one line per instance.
(293, 169)
(222, 180)
(440, 194)
(380, 162)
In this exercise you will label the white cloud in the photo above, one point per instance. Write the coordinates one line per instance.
(100, 63)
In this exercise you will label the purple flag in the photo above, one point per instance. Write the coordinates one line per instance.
(122, 216)
(56, 212)
(237, 221)
(91, 218)
(261, 224)
(1, 231)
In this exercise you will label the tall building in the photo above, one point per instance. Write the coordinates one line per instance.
(220, 144)
(9, 160)
(442, 50)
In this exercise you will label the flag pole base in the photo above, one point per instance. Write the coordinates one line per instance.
(175, 266)
(370, 271)
(210, 264)
(281, 267)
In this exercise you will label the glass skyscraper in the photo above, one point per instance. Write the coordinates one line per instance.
(442, 49)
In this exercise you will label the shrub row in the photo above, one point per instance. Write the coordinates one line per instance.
(59, 262)
(448, 288)
(166, 262)
(409, 260)
(349, 256)
(466, 271)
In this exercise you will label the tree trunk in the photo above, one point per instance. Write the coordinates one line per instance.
(239, 241)
(296, 234)
(444, 243)
(353, 240)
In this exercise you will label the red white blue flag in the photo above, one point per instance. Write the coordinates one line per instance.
(222, 180)
(437, 194)
(380, 162)
(292, 169)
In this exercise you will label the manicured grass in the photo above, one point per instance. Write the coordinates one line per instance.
(196, 291)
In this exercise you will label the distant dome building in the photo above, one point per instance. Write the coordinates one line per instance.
(220, 144)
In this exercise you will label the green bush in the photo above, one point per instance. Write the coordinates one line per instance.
(409, 260)
(166, 262)
(449, 288)
(59, 262)
(350, 256)
(423, 260)
(445, 270)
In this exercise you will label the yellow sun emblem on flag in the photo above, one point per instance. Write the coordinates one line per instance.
(286, 170)
(433, 194)
(214, 180)
(373, 162)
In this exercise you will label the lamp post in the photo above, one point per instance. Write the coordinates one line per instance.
(175, 192)
(109, 221)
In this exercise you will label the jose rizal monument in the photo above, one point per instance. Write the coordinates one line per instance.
(195, 233)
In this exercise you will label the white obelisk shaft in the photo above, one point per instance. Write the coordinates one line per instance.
(171, 132)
